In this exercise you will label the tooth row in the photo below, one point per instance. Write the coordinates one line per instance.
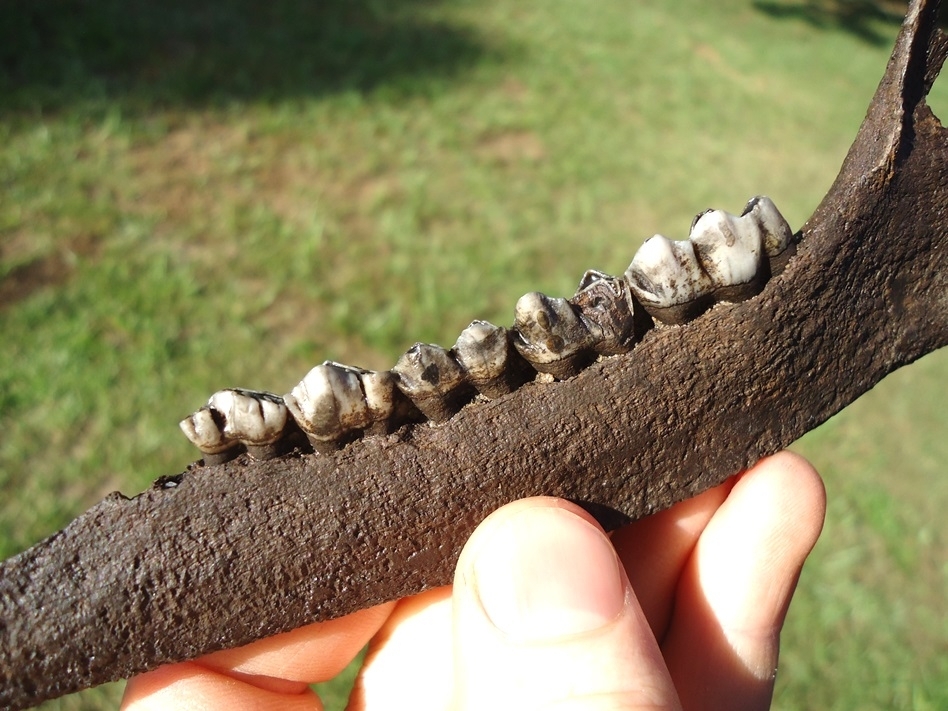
(726, 258)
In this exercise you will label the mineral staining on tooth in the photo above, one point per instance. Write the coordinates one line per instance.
(433, 380)
(491, 363)
(551, 335)
(233, 418)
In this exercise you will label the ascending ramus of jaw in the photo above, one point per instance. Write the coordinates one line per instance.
(551, 335)
(433, 380)
(235, 418)
(330, 406)
(493, 366)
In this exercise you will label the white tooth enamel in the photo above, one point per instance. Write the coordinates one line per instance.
(549, 328)
(664, 273)
(250, 417)
(776, 231)
(329, 401)
(482, 349)
(729, 248)
(203, 431)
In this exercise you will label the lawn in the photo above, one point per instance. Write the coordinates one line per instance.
(202, 196)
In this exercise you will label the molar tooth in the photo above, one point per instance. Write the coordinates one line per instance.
(492, 366)
(730, 250)
(667, 280)
(433, 380)
(329, 405)
(551, 335)
(205, 429)
(610, 313)
(777, 234)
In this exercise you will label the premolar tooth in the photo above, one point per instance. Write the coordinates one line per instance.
(609, 313)
(388, 407)
(330, 406)
(551, 335)
(433, 380)
(492, 365)
(730, 250)
(777, 233)
(667, 280)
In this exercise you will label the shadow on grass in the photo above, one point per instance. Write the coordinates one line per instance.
(866, 19)
(144, 54)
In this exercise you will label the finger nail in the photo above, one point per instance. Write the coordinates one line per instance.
(547, 573)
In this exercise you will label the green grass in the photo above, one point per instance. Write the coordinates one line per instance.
(194, 199)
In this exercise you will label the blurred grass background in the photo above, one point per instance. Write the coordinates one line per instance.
(196, 196)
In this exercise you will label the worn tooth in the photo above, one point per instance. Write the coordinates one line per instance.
(777, 234)
(205, 429)
(255, 419)
(493, 367)
(433, 380)
(609, 313)
(551, 335)
(730, 250)
(329, 405)
(667, 280)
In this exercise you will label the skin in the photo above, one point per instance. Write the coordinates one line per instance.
(681, 610)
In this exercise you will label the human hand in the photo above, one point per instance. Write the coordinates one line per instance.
(681, 610)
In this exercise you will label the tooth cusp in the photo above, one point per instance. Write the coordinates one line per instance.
(551, 336)
(433, 380)
(609, 312)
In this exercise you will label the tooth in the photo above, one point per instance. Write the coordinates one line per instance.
(777, 234)
(730, 250)
(253, 418)
(492, 366)
(433, 380)
(551, 336)
(205, 429)
(388, 407)
(609, 313)
(667, 280)
(329, 405)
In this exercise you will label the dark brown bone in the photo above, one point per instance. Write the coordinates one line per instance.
(247, 549)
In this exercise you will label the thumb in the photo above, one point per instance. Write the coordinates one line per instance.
(545, 618)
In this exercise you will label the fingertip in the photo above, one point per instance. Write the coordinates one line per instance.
(543, 612)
